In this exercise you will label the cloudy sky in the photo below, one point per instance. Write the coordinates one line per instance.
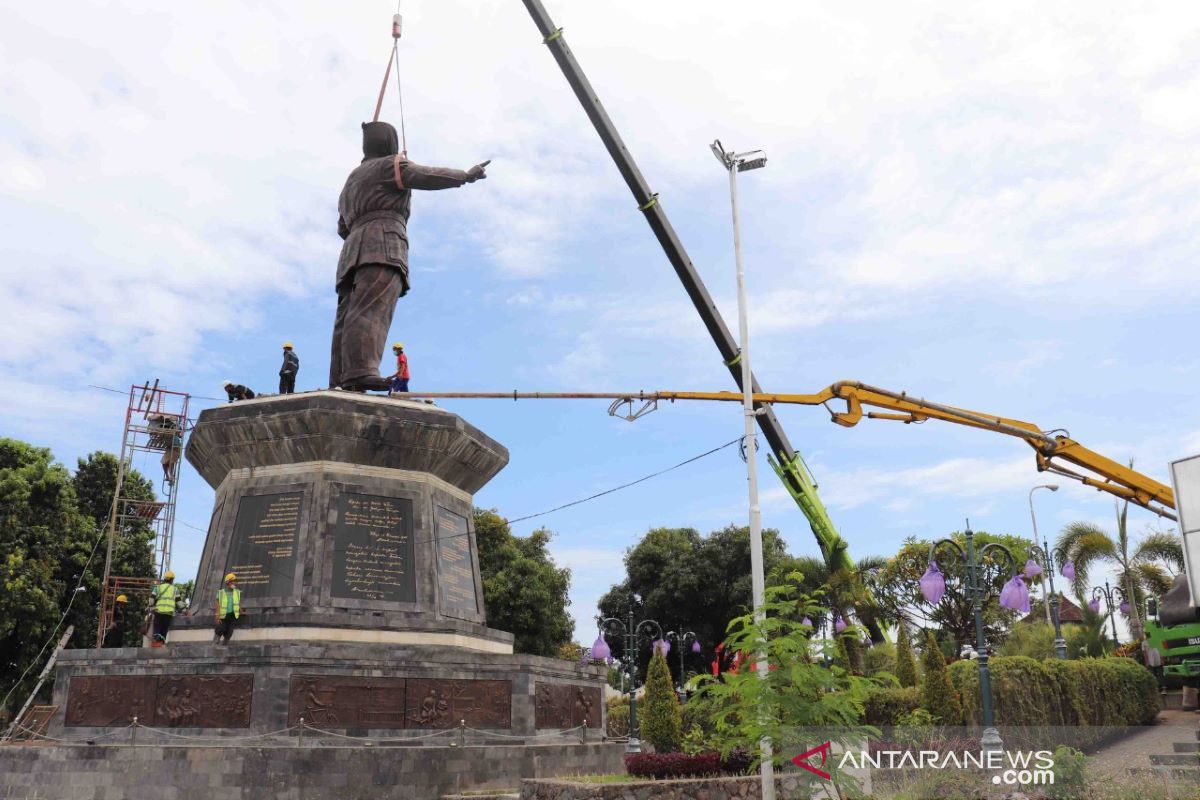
(994, 206)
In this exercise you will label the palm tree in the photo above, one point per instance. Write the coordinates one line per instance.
(1144, 567)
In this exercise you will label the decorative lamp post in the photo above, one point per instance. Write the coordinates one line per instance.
(632, 634)
(1014, 595)
(1046, 557)
(682, 640)
(1107, 592)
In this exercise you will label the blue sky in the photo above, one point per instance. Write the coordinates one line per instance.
(993, 207)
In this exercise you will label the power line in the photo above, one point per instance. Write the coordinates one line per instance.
(627, 485)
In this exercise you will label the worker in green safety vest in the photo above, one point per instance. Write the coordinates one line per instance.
(166, 602)
(229, 609)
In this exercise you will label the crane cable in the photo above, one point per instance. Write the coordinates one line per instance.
(394, 59)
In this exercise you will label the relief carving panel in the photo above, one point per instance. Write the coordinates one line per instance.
(160, 701)
(104, 701)
(337, 702)
(561, 706)
(434, 703)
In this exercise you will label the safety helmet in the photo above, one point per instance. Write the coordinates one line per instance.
(227, 383)
(287, 345)
(397, 346)
(170, 576)
(122, 598)
(230, 577)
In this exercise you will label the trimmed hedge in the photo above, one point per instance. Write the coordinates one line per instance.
(680, 765)
(1092, 692)
(885, 706)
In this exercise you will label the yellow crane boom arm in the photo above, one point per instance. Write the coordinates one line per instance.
(1052, 448)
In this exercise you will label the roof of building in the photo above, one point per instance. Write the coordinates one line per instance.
(1067, 612)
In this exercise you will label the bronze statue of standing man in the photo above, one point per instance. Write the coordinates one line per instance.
(373, 268)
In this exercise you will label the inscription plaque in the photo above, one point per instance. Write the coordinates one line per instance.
(263, 550)
(335, 702)
(373, 549)
(562, 706)
(456, 571)
(160, 701)
(434, 703)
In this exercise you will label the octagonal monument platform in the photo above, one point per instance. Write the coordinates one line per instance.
(348, 519)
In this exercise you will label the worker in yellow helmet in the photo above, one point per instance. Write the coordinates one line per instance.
(229, 609)
(166, 602)
(398, 382)
(287, 372)
(115, 633)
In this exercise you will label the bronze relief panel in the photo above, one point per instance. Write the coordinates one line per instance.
(435, 703)
(342, 702)
(563, 705)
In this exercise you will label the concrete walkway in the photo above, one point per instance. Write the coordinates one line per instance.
(1133, 752)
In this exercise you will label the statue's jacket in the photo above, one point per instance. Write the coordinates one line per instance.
(373, 212)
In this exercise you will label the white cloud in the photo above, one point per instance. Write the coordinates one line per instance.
(953, 477)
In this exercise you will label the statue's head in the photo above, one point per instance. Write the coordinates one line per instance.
(379, 140)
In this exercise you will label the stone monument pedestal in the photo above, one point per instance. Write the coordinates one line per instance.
(348, 520)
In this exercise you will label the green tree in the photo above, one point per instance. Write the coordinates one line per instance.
(938, 696)
(524, 591)
(906, 663)
(897, 587)
(661, 720)
(797, 694)
(49, 545)
(688, 582)
(1141, 568)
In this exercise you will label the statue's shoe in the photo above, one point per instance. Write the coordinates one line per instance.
(367, 384)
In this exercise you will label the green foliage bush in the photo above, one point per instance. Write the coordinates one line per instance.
(1034, 641)
(880, 659)
(938, 695)
(1092, 692)
(906, 662)
(661, 720)
(618, 716)
(1070, 773)
(886, 706)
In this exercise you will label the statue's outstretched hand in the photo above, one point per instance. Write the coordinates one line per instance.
(476, 173)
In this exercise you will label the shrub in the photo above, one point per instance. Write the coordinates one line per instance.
(661, 719)
(679, 765)
(906, 663)
(618, 716)
(1099, 693)
(886, 706)
(1033, 640)
(672, 765)
(938, 695)
(1070, 773)
(880, 659)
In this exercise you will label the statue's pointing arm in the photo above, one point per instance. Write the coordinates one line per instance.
(416, 176)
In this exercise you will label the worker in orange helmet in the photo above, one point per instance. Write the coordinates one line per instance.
(399, 381)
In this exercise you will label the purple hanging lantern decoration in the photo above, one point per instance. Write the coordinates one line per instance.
(696, 647)
(600, 649)
(806, 621)
(1068, 570)
(933, 584)
(1094, 605)
(1015, 595)
(840, 625)
(1032, 569)
(1124, 607)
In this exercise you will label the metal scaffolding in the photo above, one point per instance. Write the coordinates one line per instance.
(156, 421)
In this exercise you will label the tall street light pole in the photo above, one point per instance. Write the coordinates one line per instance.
(735, 163)
(1047, 558)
